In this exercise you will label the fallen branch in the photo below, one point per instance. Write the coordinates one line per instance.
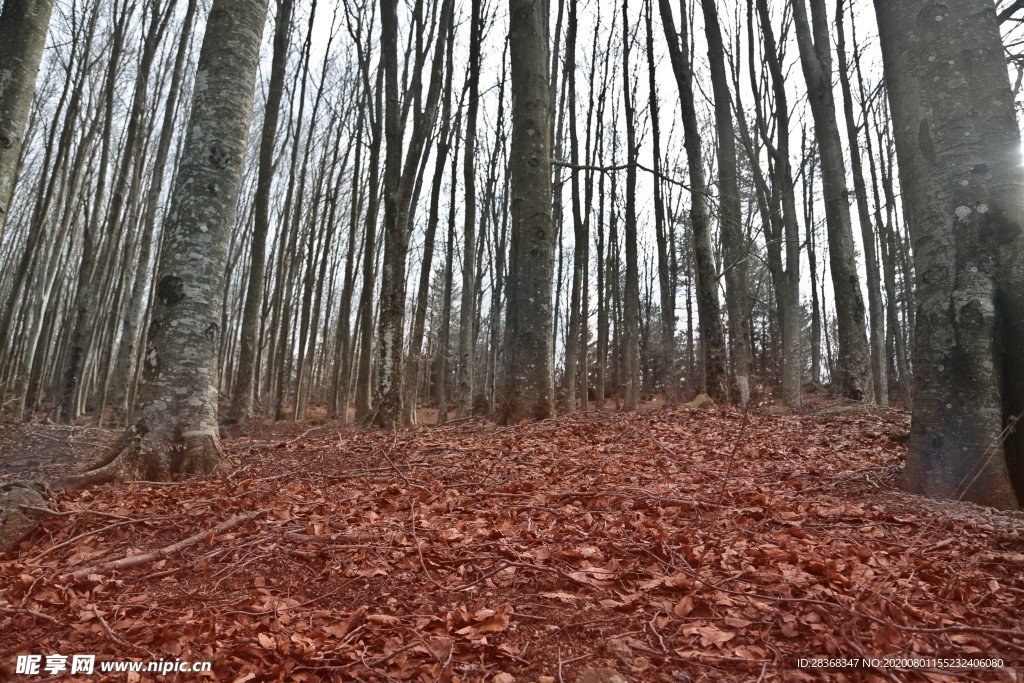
(146, 558)
(113, 636)
(361, 540)
(40, 615)
(35, 558)
(68, 513)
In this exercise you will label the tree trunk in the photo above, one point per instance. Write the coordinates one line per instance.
(631, 304)
(430, 234)
(128, 182)
(91, 268)
(366, 295)
(730, 219)
(23, 28)
(528, 383)
(177, 427)
(792, 362)
(708, 312)
(467, 340)
(400, 195)
(853, 370)
(242, 392)
(338, 400)
(444, 336)
(959, 154)
(580, 238)
(124, 391)
(876, 314)
(662, 229)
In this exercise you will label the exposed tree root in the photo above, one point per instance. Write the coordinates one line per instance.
(140, 455)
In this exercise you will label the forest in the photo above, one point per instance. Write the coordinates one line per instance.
(538, 340)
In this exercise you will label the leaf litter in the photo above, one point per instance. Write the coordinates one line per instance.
(666, 545)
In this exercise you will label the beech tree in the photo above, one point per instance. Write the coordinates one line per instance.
(23, 25)
(708, 309)
(400, 189)
(854, 373)
(959, 153)
(242, 393)
(631, 290)
(528, 387)
(729, 216)
(176, 430)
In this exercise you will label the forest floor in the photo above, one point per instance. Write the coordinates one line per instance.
(675, 545)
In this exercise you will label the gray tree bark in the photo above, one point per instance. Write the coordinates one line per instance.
(792, 363)
(631, 290)
(580, 237)
(433, 219)
(730, 219)
(242, 392)
(176, 431)
(663, 232)
(708, 311)
(400, 190)
(131, 332)
(959, 154)
(853, 368)
(528, 389)
(467, 340)
(876, 314)
(23, 28)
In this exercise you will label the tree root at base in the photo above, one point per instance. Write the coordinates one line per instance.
(145, 457)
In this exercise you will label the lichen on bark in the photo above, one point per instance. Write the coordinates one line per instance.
(176, 432)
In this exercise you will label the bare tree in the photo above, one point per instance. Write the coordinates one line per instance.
(528, 382)
(708, 310)
(631, 293)
(400, 187)
(176, 431)
(734, 243)
(467, 313)
(876, 314)
(854, 375)
(242, 392)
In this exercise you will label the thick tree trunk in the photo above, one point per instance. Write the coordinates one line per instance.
(177, 427)
(528, 383)
(959, 155)
(127, 362)
(23, 28)
(853, 371)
